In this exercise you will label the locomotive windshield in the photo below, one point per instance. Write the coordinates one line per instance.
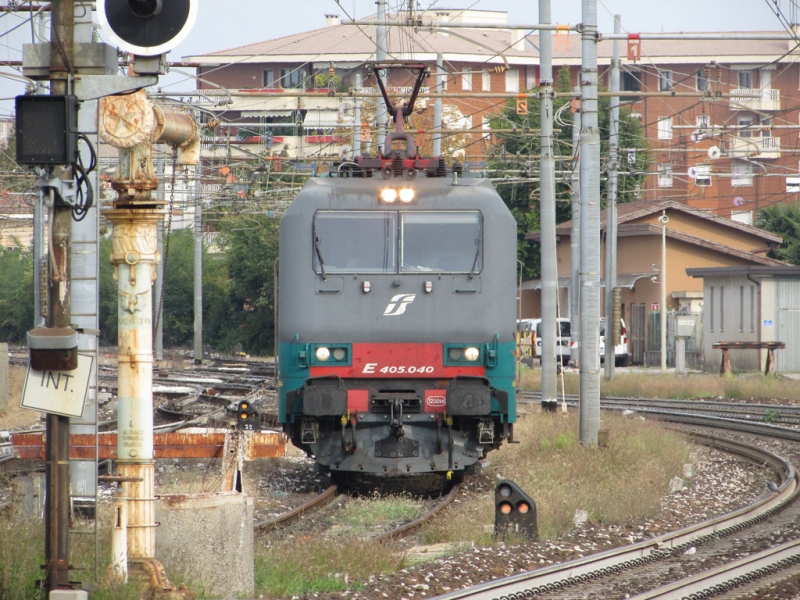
(372, 241)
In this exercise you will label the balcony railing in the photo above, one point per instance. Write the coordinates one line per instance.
(763, 147)
(755, 99)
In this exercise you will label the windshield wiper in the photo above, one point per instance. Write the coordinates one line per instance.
(472, 271)
(318, 252)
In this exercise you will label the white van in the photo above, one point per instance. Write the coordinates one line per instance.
(621, 356)
(563, 337)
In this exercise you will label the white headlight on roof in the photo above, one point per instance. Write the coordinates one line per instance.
(406, 195)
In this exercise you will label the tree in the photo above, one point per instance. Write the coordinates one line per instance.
(16, 293)
(250, 245)
(783, 219)
(516, 153)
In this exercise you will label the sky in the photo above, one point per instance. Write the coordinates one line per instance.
(223, 24)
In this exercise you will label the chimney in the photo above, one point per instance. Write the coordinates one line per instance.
(518, 40)
(332, 20)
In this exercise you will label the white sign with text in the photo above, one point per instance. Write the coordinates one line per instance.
(58, 392)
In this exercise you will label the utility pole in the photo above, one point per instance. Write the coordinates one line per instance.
(547, 204)
(59, 315)
(437, 108)
(575, 234)
(590, 227)
(198, 263)
(611, 210)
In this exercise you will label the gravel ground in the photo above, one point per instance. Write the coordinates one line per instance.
(721, 484)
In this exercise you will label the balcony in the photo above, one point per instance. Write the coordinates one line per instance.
(755, 99)
(763, 147)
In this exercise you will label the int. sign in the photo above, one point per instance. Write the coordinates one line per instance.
(58, 392)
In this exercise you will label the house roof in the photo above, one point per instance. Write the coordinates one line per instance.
(357, 43)
(755, 271)
(631, 211)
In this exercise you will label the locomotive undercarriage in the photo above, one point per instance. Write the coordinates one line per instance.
(394, 435)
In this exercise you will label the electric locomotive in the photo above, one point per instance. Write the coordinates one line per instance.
(396, 318)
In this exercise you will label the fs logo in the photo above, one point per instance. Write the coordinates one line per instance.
(397, 305)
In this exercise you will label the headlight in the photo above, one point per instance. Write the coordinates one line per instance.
(339, 353)
(472, 354)
(455, 353)
(389, 195)
(406, 195)
(323, 353)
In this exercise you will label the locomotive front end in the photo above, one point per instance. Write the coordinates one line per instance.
(396, 324)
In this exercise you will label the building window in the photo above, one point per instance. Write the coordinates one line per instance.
(486, 81)
(702, 176)
(466, 80)
(721, 309)
(665, 175)
(701, 83)
(741, 308)
(711, 309)
(665, 128)
(268, 80)
(793, 185)
(744, 126)
(665, 81)
(752, 308)
(741, 173)
(703, 122)
(631, 81)
(486, 125)
(291, 78)
(745, 80)
(512, 81)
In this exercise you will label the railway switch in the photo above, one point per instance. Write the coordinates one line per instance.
(514, 511)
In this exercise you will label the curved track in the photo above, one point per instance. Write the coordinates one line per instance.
(551, 581)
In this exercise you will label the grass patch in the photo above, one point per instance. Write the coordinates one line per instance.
(622, 483)
(366, 512)
(677, 387)
(297, 566)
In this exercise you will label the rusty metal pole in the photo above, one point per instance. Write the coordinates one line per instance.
(59, 315)
(132, 123)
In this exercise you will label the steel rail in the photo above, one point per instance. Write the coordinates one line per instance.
(730, 575)
(289, 517)
(576, 571)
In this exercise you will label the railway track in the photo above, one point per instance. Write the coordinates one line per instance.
(626, 571)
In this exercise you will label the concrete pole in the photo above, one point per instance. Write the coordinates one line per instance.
(437, 108)
(547, 207)
(198, 267)
(3, 377)
(357, 116)
(575, 238)
(380, 56)
(664, 220)
(59, 294)
(611, 209)
(159, 332)
(590, 227)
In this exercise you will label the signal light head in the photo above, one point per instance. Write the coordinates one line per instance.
(505, 508)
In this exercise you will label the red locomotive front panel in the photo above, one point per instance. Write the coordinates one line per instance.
(390, 361)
